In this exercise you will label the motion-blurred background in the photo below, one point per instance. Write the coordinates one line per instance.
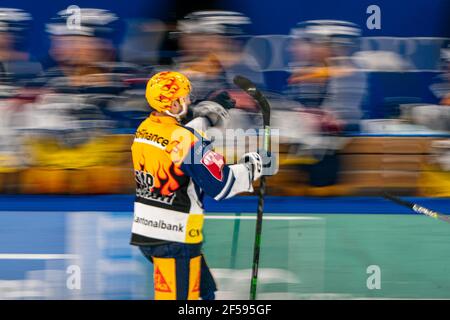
(361, 98)
(358, 108)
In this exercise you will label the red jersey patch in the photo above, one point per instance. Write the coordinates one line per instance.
(214, 162)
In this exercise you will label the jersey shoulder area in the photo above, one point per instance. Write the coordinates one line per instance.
(167, 134)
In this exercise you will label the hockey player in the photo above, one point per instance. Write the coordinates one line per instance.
(330, 88)
(212, 53)
(174, 166)
(325, 76)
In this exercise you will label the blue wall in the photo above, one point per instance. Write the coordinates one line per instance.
(399, 18)
(43, 10)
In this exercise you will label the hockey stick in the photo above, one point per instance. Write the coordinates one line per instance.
(417, 208)
(250, 89)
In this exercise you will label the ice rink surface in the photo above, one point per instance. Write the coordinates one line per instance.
(312, 254)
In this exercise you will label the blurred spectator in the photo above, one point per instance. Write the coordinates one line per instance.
(109, 88)
(436, 117)
(324, 75)
(446, 58)
(12, 23)
(211, 54)
(92, 78)
(83, 54)
(16, 65)
(78, 105)
(441, 87)
(329, 88)
(16, 69)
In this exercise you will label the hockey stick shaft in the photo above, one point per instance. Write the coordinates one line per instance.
(418, 208)
(257, 244)
(250, 88)
(259, 220)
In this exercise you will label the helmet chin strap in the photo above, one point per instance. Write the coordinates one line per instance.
(183, 111)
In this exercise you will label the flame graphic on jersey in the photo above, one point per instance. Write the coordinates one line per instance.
(167, 178)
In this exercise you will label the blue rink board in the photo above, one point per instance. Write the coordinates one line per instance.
(309, 205)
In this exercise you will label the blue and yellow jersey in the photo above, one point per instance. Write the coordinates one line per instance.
(174, 167)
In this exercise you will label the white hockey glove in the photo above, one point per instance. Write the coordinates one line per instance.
(254, 164)
(215, 109)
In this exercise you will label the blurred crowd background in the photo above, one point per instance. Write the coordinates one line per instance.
(359, 111)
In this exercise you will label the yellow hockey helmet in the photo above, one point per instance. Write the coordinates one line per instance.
(166, 87)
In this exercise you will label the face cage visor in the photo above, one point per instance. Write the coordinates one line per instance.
(183, 102)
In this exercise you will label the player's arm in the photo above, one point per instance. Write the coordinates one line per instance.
(217, 179)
